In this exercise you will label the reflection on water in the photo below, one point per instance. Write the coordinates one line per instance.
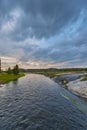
(35, 102)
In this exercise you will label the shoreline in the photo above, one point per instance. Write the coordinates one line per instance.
(6, 78)
(78, 87)
(73, 83)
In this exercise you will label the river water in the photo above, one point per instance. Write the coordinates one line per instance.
(35, 102)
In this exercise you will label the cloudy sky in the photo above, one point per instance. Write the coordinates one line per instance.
(43, 33)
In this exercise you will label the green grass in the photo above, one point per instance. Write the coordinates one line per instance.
(49, 74)
(52, 74)
(55, 72)
(5, 78)
(84, 78)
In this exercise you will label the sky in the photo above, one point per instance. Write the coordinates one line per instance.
(43, 33)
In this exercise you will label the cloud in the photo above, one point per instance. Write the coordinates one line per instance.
(44, 33)
(8, 62)
(40, 18)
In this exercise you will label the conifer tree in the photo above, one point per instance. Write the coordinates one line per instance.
(16, 69)
(9, 71)
(0, 65)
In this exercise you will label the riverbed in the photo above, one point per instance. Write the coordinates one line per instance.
(35, 102)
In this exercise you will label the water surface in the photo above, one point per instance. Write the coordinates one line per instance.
(35, 102)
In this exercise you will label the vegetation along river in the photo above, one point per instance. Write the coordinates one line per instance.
(35, 102)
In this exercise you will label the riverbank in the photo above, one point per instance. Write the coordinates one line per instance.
(76, 83)
(52, 72)
(37, 103)
(5, 78)
(79, 86)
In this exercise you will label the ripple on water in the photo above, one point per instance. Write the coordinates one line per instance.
(35, 102)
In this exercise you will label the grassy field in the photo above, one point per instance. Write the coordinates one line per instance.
(55, 72)
(52, 74)
(5, 78)
(84, 78)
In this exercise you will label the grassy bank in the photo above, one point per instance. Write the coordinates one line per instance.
(84, 78)
(52, 72)
(5, 78)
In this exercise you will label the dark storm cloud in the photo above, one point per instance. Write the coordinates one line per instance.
(41, 18)
(61, 23)
(72, 51)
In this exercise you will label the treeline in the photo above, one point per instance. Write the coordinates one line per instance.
(15, 70)
(54, 70)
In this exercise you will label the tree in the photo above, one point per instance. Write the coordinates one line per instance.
(9, 71)
(0, 65)
(16, 69)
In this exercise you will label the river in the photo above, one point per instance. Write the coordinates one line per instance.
(35, 102)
